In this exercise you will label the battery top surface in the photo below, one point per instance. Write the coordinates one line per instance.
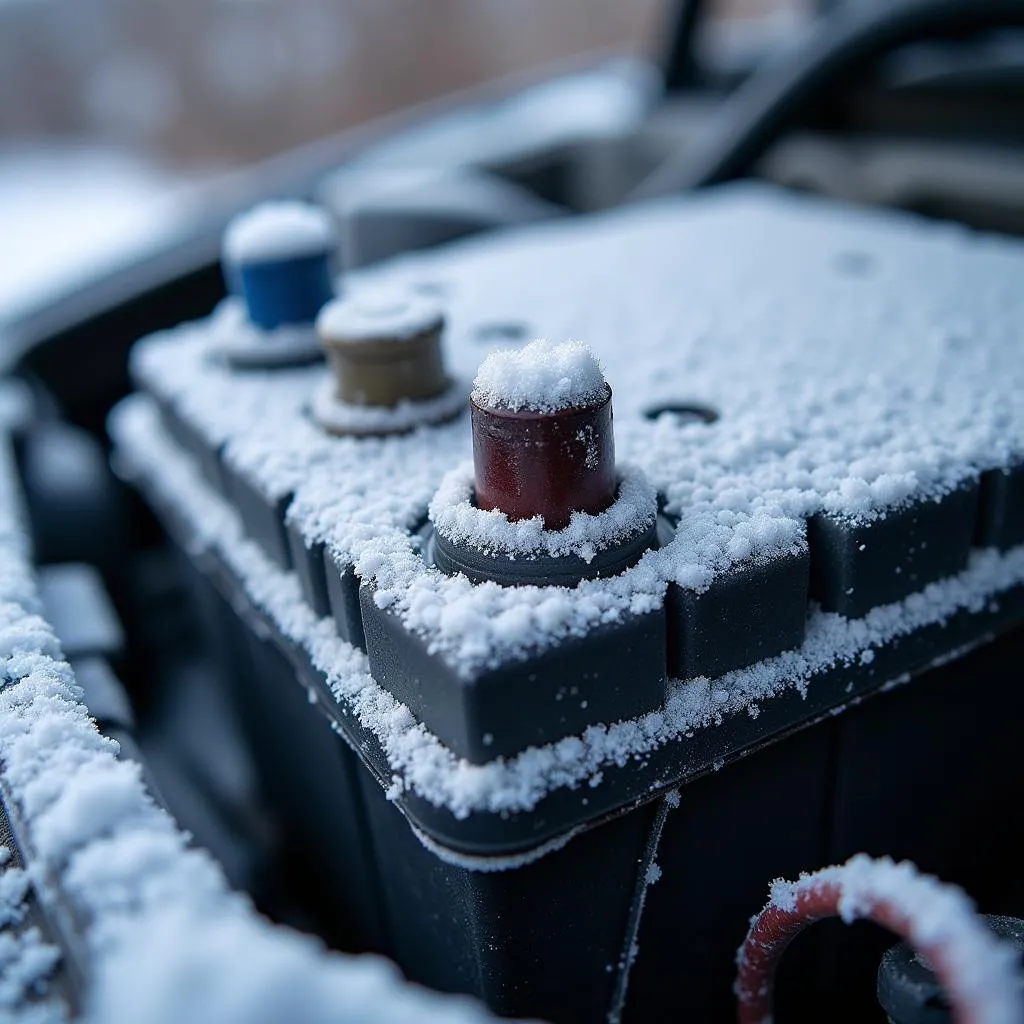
(854, 363)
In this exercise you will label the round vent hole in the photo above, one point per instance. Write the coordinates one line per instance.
(502, 333)
(682, 412)
(855, 264)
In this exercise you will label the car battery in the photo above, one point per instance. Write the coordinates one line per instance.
(593, 681)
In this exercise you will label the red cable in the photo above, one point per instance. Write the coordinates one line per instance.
(820, 896)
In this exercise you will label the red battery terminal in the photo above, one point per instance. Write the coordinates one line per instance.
(542, 433)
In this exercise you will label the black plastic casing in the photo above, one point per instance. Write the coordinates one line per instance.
(308, 562)
(756, 610)
(344, 601)
(857, 565)
(1001, 509)
(616, 671)
(262, 515)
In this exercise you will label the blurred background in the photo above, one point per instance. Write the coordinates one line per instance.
(113, 112)
(197, 84)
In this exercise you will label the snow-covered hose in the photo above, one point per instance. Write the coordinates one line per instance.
(978, 972)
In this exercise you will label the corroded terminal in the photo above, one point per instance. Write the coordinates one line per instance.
(542, 434)
(388, 367)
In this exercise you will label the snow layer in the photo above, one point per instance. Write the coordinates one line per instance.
(167, 941)
(184, 367)
(458, 519)
(278, 230)
(378, 316)
(26, 960)
(344, 417)
(542, 377)
(244, 344)
(419, 761)
(938, 913)
(232, 967)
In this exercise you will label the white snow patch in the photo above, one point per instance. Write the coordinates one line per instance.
(14, 887)
(278, 230)
(246, 344)
(331, 413)
(229, 966)
(543, 377)
(26, 962)
(378, 316)
(458, 519)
